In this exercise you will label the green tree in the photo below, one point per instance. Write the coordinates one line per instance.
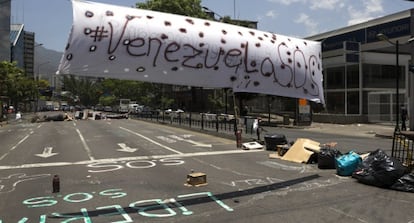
(15, 85)
(191, 8)
(88, 92)
(122, 88)
(8, 72)
(149, 92)
(217, 100)
(166, 102)
(86, 89)
(107, 91)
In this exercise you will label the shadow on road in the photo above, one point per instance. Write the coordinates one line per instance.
(191, 201)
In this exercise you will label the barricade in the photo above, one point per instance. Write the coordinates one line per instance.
(403, 148)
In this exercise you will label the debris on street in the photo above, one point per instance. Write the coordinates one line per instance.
(374, 168)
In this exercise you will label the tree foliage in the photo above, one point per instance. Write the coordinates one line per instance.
(217, 101)
(190, 8)
(109, 91)
(84, 89)
(15, 85)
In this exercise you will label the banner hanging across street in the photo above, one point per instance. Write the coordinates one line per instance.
(127, 43)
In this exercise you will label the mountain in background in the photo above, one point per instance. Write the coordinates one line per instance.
(46, 62)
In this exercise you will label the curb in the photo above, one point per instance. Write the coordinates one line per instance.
(384, 135)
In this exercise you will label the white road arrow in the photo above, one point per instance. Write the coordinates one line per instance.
(199, 144)
(47, 152)
(125, 148)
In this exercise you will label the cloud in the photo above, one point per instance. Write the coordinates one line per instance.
(326, 4)
(286, 2)
(369, 10)
(271, 14)
(311, 25)
(320, 4)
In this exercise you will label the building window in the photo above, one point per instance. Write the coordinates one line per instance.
(352, 79)
(381, 76)
(353, 102)
(335, 78)
(335, 102)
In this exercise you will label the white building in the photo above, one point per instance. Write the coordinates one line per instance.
(360, 70)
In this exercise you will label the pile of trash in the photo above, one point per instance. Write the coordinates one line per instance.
(52, 117)
(96, 115)
(84, 115)
(374, 168)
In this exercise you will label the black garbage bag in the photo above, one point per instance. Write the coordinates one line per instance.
(405, 183)
(326, 158)
(379, 169)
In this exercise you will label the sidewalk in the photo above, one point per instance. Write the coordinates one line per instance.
(385, 130)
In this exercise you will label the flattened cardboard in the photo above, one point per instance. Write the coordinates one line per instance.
(301, 150)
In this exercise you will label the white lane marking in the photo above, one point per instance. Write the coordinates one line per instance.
(15, 146)
(166, 139)
(148, 139)
(125, 148)
(111, 160)
(47, 152)
(88, 150)
(184, 139)
(21, 141)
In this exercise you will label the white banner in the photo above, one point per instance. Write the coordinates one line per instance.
(128, 43)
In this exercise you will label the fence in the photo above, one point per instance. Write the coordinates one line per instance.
(403, 148)
(204, 121)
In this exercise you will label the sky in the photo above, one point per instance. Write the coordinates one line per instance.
(51, 20)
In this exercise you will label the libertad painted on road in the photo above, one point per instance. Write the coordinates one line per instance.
(143, 207)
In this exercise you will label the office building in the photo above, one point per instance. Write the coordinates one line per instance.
(360, 69)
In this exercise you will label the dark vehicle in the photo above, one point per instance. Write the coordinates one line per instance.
(107, 109)
(65, 108)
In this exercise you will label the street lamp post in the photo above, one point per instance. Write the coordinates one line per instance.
(397, 71)
(383, 37)
(35, 60)
(38, 69)
(37, 83)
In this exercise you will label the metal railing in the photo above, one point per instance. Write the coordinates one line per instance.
(403, 148)
(203, 121)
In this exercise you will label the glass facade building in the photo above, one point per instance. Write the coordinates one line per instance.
(5, 6)
(360, 69)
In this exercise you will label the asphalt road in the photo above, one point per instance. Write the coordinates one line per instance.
(134, 171)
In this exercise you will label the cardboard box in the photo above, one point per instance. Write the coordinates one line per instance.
(197, 179)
